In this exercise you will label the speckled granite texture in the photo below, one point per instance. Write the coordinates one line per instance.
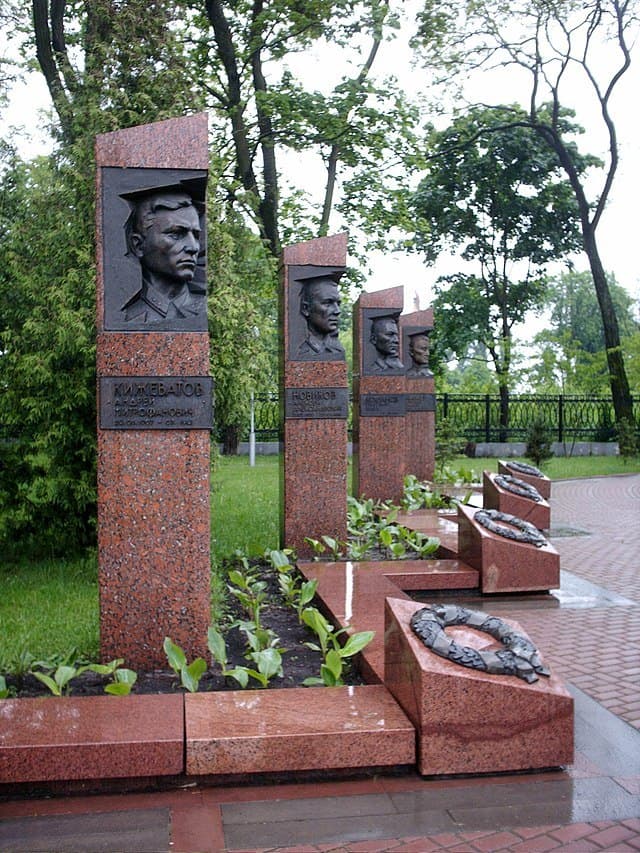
(255, 731)
(469, 721)
(313, 473)
(420, 427)
(505, 565)
(91, 737)
(379, 454)
(537, 513)
(542, 484)
(153, 485)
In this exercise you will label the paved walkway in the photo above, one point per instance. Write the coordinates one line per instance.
(589, 632)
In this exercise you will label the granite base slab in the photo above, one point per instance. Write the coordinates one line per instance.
(258, 731)
(441, 524)
(537, 513)
(506, 565)
(91, 737)
(354, 593)
(470, 721)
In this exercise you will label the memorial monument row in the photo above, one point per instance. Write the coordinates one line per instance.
(155, 415)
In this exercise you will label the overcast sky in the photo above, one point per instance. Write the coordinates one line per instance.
(618, 231)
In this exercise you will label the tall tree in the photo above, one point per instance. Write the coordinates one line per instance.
(552, 46)
(501, 197)
(356, 127)
(570, 352)
(106, 65)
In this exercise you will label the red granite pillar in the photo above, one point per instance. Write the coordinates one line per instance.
(154, 391)
(420, 419)
(379, 458)
(314, 395)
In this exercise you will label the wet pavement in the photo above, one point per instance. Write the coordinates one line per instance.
(589, 631)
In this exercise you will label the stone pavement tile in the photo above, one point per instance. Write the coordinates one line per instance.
(196, 827)
(416, 845)
(496, 841)
(613, 835)
(540, 844)
(274, 811)
(632, 784)
(582, 846)
(354, 828)
(136, 831)
(572, 832)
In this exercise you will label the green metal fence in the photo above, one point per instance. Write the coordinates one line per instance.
(477, 416)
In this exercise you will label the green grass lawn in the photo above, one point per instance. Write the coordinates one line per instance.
(51, 606)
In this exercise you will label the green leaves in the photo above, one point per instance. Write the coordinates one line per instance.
(190, 674)
(333, 651)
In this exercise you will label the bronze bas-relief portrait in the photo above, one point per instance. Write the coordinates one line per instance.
(385, 338)
(163, 233)
(419, 354)
(320, 307)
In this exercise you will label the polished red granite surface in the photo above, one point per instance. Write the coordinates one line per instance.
(153, 485)
(255, 731)
(379, 454)
(537, 513)
(420, 426)
(314, 455)
(470, 721)
(93, 737)
(504, 564)
(354, 594)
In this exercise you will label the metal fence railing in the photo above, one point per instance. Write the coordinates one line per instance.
(476, 417)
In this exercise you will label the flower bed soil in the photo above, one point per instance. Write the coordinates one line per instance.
(299, 662)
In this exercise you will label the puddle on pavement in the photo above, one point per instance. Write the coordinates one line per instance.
(574, 593)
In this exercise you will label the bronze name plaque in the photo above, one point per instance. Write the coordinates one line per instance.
(421, 402)
(316, 402)
(156, 402)
(382, 405)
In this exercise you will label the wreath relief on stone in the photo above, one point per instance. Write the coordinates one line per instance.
(524, 468)
(518, 487)
(519, 657)
(510, 526)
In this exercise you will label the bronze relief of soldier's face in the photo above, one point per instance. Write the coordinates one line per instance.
(169, 246)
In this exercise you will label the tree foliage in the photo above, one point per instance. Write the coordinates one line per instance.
(570, 354)
(551, 47)
(498, 196)
(47, 367)
(362, 131)
(106, 65)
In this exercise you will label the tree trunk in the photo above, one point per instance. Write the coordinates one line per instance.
(230, 440)
(504, 412)
(620, 391)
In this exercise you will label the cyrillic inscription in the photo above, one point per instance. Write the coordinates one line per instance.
(156, 402)
(421, 402)
(316, 402)
(382, 405)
